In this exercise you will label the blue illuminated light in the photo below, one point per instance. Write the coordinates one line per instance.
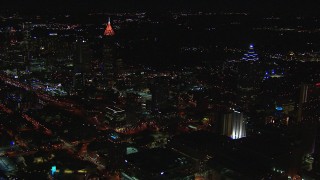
(53, 169)
(114, 136)
(279, 108)
(250, 55)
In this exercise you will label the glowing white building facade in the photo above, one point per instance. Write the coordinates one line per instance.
(234, 125)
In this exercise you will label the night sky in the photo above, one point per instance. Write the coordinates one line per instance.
(261, 6)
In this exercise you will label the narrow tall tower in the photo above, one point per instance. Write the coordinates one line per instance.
(109, 31)
(302, 100)
(26, 42)
(12, 36)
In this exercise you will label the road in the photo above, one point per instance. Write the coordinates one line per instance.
(58, 102)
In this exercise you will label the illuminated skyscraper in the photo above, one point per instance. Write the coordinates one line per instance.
(310, 112)
(109, 31)
(251, 55)
(309, 102)
(233, 125)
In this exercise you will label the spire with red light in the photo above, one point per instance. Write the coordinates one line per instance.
(109, 31)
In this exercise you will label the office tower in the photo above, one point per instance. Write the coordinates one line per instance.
(26, 42)
(108, 64)
(309, 117)
(316, 150)
(308, 103)
(234, 125)
(302, 99)
(118, 67)
(109, 31)
(251, 55)
(160, 93)
(81, 61)
(12, 36)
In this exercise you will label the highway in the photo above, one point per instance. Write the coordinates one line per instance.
(38, 126)
(58, 102)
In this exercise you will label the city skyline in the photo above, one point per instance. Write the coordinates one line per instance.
(159, 90)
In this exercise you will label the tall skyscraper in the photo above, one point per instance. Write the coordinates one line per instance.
(26, 42)
(81, 60)
(12, 36)
(108, 64)
(160, 93)
(109, 31)
(302, 100)
(110, 57)
(234, 125)
(308, 103)
(251, 55)
(310, 113)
